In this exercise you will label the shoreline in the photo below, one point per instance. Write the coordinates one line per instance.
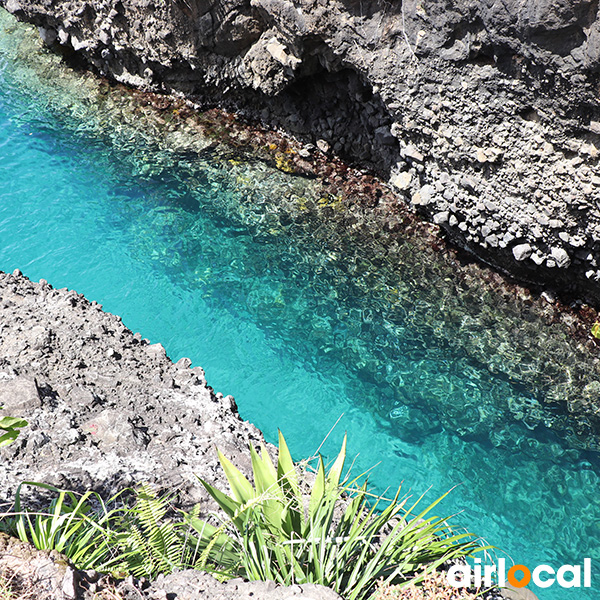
(520, 336)
(393, 219)
(76, 374)
(488, 130)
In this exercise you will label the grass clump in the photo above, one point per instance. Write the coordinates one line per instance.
(333, 531)
(68, 525)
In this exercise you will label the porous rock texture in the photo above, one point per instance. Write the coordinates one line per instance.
(485, 114)
(31, 574)
(106, 410)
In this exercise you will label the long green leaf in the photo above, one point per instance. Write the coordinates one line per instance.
(286, 472)
(228, 504)
(333, 477)
(265, 476)
(240, 487)
(12, 423)
(318, 490)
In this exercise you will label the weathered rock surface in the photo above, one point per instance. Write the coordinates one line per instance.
(105, 408)
(34, 574)
(193, 585)
(38, 575)
(484, 114)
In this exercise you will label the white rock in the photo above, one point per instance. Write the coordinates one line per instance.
(441, 217)
(522, 251)
(537, 258)
(411, 152)
(63, 36)
(427, 192)
(281, 54)
(561, 257)
(401, 181)
(323, 146)
(12, 6)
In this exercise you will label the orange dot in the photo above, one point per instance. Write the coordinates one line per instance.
(516, 582)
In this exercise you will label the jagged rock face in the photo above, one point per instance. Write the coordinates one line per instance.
(105, 409)
(485, 114)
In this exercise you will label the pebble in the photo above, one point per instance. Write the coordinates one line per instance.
(561, 257)
(323, 146)
(411, 151)
(427, 192)
(401, 181)
(538, 258)
(522, 251)
(441, 218)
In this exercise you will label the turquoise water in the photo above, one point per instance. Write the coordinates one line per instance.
(229, 262)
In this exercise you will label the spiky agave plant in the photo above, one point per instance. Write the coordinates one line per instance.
(340, 535)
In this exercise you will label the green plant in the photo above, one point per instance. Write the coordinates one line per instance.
(145, 542)
(69, 526)
(136, 539)
(339, 535)
(9, 429)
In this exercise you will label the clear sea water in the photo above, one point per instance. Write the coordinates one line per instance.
(300, 323)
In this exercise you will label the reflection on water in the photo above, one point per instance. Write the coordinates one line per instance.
(281, 291)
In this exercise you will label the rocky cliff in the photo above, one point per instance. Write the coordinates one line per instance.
(105, 408)
(484, 114)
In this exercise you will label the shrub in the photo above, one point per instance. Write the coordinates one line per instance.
(341, 535)
(334, 532)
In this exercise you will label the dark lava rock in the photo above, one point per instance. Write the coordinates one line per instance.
(501, 95)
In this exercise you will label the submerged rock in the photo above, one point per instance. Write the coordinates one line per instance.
(499, 95)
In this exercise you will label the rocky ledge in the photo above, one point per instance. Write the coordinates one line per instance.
(106, 409)
(484, 115)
